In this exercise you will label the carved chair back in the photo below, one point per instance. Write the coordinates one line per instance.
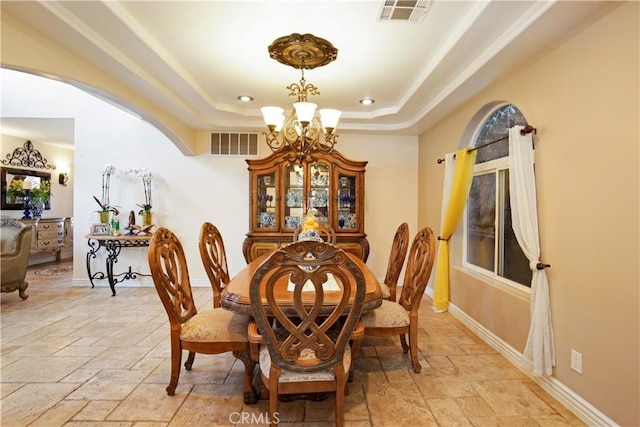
(418, 270)
(309, 341)
(214, 259)
(398, 253)
(168, 266)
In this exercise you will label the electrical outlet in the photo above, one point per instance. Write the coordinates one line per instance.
(576, 361)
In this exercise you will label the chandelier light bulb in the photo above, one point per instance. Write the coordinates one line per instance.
(305, 111)
(273, 116)
(329, 118)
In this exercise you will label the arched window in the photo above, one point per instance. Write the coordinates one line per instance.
(490, 246)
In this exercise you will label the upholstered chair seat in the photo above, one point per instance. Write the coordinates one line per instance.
(298, 377)
(386, 292)
(388, 315)
(215, 326)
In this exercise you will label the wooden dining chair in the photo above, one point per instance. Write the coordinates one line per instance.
(327, 233)
(401, 318)
(306, 349)
(208, 332)
(396, 261)
(214, 259)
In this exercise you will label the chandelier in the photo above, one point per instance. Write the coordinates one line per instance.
(300, 134)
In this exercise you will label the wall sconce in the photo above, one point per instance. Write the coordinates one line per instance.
(63, 178)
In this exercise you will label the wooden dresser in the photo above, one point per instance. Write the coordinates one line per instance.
(50, 234)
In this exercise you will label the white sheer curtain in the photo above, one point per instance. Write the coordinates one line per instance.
(539, 355)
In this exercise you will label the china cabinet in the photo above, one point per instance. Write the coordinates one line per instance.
(281, 192)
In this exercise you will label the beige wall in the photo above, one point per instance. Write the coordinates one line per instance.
(188, 190)
(582, 95)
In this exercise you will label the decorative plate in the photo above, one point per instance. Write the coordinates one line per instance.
(321, 179)
(347, 220)
(294, 197)
(292, 222)
(319, 198)
(267, 220)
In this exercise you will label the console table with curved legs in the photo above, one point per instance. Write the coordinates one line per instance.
(113, 245)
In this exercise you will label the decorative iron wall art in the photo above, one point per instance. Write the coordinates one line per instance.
(28, 157)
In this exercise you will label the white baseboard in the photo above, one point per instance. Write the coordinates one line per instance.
(572, 401)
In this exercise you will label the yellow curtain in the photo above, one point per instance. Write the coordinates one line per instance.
(462, 175)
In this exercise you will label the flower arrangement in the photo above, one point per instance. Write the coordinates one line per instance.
(39, 193)
(16, 188)
(145, 174)
(106, 178)
(42, 193)
(105, 207)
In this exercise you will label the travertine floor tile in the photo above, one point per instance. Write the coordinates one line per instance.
(207, 405)
(447, 412)
(96, 410)
(35, 369)
(148, 402)
(512, 397)
(74, 356)
(109, 385)
(59, 414)
(29, 402)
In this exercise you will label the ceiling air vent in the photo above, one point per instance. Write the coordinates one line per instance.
(404, 10)
(234, 144)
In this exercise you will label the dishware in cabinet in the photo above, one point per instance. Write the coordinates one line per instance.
(265, 206)
(347, 200)
(282, 192)
(294, 179)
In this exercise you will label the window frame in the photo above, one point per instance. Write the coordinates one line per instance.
(497, 167)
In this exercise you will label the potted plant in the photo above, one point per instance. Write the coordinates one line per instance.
(40, 197)
(145, 211)
(104, 211)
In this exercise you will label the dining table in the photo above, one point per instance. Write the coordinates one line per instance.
(235, 295)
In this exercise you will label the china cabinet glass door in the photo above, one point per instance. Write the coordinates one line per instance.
(319, 190)
(267, 201)
(294, 196)
(347, 203)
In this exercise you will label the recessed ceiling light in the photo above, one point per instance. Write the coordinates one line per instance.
(245, 98)
(367, 101)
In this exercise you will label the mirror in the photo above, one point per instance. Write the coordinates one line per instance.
(11, 200)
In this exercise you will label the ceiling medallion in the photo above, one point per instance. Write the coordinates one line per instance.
(299, 134)
(302, 51)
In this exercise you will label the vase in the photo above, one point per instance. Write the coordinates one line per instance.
(104, 217)
(147, 218)
(37, 209)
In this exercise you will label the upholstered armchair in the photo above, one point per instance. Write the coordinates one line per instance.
(15, 239)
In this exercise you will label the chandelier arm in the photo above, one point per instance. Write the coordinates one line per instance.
(276, 145)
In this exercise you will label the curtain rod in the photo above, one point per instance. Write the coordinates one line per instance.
(527, 129)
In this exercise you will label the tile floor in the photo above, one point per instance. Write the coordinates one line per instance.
(75, 356)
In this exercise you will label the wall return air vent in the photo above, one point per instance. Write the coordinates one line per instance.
(234, 144)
